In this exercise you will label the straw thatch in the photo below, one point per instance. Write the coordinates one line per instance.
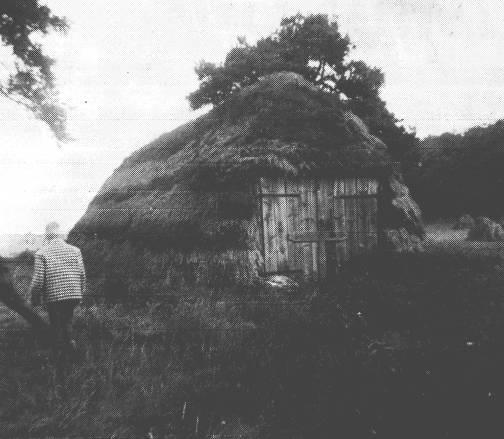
(192, 189)
(465, 221)
(281, 125)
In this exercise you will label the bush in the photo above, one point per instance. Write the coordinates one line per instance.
(484, 229)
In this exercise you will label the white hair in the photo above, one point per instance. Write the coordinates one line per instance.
(52, 230)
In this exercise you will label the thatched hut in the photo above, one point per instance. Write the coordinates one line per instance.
(278, 179)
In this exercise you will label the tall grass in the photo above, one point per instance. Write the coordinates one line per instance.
(400, 346)
(137, 369)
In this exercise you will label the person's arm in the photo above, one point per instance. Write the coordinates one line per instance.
(82, 274)
(37, 284)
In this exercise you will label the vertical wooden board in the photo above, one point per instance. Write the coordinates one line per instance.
(278, 186)
(275, 217)
(272, 185)
(373, 186)
(256, 233)
(362, 215)
(326, 225)
(356, 218)
(279, 225)
(320, 226)
(315, 261)
(293, 219)
(313, 226)
(292, 186)
(305, 259)
(282, 228)
(265, 184)
(307, 224)
(339, 206)
(370, 207)
(264, 187)
(339, 187)
(351, 215)
(269, 212)
(372, 215)
(339, 219)
(325, 196)
(364, 224)
(372, 222)
(361, 185)
(268, 218)
(305, 249)
(274, 225)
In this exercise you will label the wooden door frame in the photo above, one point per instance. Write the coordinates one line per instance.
(378, 196)
(261, 196)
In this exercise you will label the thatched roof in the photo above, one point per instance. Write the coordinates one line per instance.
(282, 122)
(281, 125)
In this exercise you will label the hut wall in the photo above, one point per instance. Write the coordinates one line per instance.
(312, 226)
(218, 269)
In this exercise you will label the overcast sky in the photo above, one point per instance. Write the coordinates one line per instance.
(125, 68)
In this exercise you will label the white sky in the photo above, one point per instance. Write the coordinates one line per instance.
(126, 66)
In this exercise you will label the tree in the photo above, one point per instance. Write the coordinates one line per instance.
(314, 47)
(30, 80)
(461, 173)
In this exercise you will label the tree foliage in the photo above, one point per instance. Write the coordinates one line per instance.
(31, 81)
(461, 173)
(314, 47)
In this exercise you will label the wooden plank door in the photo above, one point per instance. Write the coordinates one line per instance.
(303, 221)
(356, 206)
(326, 228)
(280, 207)
(367, 226)
(308, 224)
(293, 203)
(340, 223)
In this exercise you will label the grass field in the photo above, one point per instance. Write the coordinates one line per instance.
(443, 231)
(442, 237)
(403, 346)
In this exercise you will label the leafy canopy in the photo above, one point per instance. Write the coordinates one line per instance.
(30, 82)
(314, 47)
(461, 173)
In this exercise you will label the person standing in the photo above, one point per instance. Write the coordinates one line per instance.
(59, 282)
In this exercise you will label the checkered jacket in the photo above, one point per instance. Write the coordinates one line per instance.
(59, 272)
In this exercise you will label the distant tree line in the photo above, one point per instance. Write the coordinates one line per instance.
(461, 173)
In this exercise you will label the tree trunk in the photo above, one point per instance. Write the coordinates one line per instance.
(12, 300)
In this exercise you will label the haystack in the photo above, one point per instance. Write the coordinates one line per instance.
(466, 221)
(485, 229)
(181, 209)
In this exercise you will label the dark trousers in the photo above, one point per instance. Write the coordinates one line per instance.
(60, 317)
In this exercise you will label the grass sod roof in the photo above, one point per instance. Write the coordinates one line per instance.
(191, 184)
